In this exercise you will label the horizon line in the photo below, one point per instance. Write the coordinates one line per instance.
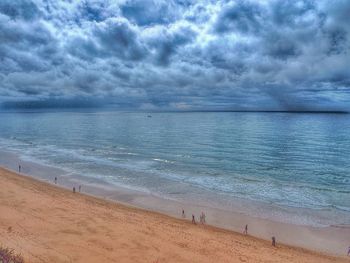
(170, 111)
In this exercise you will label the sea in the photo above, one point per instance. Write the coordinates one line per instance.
(290, 167)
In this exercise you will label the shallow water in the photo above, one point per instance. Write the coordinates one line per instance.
(292, 167)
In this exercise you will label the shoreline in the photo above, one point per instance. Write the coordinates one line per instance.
(334, 238)
(83, 164)
(45, 219)
(167, 188)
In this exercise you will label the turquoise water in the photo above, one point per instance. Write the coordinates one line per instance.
(286, 160)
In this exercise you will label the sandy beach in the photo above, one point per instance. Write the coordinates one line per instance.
(46, 223)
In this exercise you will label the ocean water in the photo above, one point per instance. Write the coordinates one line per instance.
(296, 166)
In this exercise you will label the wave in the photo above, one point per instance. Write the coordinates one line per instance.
(163, 160)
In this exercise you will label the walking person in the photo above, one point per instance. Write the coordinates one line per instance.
(19, 168)
(245, 230)
(273, 241)
(202, 218)
(349, 251)
(55, 180)
(74, 190)
(183, 214)
(193, 219)
(79, 188)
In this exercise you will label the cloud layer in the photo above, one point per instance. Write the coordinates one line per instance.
(176, 54)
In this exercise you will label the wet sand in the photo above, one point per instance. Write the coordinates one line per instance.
(46, 223)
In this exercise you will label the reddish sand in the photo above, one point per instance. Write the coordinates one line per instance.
(50, 224)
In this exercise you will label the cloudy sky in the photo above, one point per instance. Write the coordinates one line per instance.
(176, 54)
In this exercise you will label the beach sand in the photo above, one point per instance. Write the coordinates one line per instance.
(46, 223)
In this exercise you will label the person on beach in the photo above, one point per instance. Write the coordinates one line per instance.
(245, 230)
(202, 218)
(273, 241)
(183, 214)
(193, 219)
(349, 251)
(79, 188)
(74, 190)
(55, 180)
(19, 168)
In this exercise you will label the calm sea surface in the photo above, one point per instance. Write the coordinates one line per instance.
(283, 160)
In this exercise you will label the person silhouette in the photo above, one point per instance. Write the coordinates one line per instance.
(246, 230)
(273, 241)
(202, 218)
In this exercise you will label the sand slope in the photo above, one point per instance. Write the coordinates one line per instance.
(49, 224)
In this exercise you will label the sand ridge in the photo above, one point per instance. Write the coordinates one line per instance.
(46, 223)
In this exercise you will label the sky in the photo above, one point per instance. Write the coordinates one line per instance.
(288, 55)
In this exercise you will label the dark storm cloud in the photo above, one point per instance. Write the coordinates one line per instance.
(147, 12)
(19, 9)
(185, 55)
(112, 37)
(241, 16)
(120, 39)
(165, 41)
(291, 13)
(53, 104)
